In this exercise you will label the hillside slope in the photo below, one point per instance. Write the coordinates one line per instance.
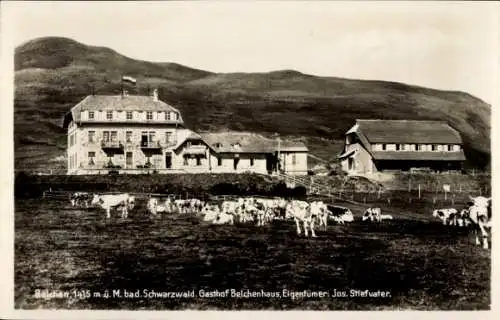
(53, 74)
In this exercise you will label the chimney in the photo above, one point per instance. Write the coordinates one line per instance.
(155, 94)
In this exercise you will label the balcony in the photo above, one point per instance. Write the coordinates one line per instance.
(111, 145)
(170, 143)
(195, 150)
(151, 145)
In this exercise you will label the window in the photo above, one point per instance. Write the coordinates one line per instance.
(450, 147)
(235, 163)
(167, 116)
(91, 136)
(91, 115)
(176, 116)
(434, 147)
(105, 136)
(168, 137)
(185, 161)
(398, 147)
(251, 162)
(91, 156)
(198, 161)
(188, 144)
(129, 115)
(128, 136)
(109, 115)
(149, 115)
(219, 162)
(71, 140)
(294, 159)
(419, 147)
(384, 147)
(114, 136)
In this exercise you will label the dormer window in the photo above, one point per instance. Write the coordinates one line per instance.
(109, 115)
(91, 115)
(149, 115)
(236, 145)
(218, 145)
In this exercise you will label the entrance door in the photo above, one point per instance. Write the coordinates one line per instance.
(144, 139)
(168, 160)
(270, 163)
(128, 160)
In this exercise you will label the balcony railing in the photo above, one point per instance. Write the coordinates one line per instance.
(171, 143)
(151, 145)
(111, 144)
(196, 149)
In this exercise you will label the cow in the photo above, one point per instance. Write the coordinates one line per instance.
(480, 216)
(373, 214)
(340, 214)
(319, 211)
(447, 216)
(121, 201)
(463, 219)
(301, 213)
(214, 215)
(80, 197)
(156, 205)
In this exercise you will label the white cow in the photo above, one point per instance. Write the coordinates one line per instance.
(301, 213)
(447, 215)
(480, 217)
(319, 211)
(373, 214)
(214, 215)
(121, 201)
(156, 205)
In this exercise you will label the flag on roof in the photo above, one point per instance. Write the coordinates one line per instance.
(129, 79)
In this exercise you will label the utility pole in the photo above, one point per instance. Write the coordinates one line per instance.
(279, 154)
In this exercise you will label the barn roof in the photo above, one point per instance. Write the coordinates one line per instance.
(235, 142)
(407, 131)
(117, 103)
(418, 155)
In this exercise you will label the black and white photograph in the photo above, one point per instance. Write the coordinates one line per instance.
(250, 156)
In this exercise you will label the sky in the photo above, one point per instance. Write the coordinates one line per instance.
(446, 45)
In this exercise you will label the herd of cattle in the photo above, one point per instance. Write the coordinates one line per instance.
(477, 213)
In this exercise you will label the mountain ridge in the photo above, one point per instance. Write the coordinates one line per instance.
(53, 73)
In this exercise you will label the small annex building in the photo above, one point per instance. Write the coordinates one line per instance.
(373, 146)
